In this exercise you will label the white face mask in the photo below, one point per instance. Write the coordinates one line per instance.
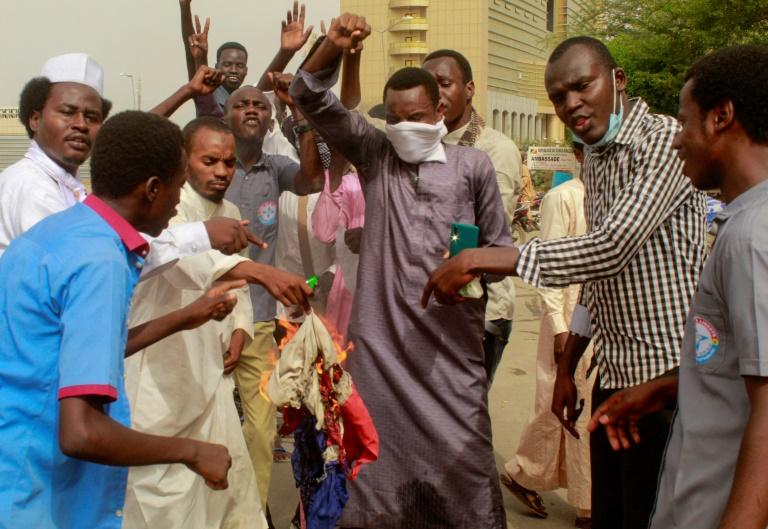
(418, 142)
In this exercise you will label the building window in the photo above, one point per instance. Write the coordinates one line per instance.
(410, 62)
(550, 15)
(496, 120)
(409, 38)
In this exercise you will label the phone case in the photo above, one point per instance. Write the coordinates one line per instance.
(465, 236)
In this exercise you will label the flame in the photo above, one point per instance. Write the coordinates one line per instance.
(290, 329)
(340, 344)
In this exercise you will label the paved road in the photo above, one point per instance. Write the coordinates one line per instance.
(511, 403)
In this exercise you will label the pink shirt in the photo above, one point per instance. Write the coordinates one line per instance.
(342, 209)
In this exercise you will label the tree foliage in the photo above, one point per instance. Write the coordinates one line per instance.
(656, 41)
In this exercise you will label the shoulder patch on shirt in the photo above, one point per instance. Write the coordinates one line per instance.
(707, 340)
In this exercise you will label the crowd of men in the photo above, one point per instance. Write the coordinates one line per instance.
(133, 312)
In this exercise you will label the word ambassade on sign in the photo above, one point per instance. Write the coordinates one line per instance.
(551, 159)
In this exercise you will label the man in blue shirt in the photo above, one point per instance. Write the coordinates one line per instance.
(65, 290)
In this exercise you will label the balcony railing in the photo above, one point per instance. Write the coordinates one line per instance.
(408, 3)
(410, 24)
(415, 47)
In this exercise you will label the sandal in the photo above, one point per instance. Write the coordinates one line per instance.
(280, 455)
(529, 498)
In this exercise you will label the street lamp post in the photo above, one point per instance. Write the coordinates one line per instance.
(138, 93)
(133, 88)
(381, 35)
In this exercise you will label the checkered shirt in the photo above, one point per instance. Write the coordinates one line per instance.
(643, 253)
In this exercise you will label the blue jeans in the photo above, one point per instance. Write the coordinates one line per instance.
(495, 340)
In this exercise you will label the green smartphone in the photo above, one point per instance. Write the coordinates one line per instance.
(463, 236)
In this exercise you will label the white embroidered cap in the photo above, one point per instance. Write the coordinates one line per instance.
(75, 68)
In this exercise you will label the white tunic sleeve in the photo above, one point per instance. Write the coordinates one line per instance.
(180, 240)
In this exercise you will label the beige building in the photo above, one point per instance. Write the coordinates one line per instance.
(506, 41)
(9, 122)
(13, 137)
(14, 142)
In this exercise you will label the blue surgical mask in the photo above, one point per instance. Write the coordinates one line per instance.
(614, 122)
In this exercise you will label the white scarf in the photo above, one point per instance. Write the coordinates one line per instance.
(418, 142)
(72, 189)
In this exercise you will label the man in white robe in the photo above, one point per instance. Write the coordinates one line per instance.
(63, 110)
(182, 385)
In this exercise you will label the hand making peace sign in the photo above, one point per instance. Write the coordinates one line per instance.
(198, 42)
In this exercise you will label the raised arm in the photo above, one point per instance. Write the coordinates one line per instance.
(204, 82)
(346, 131)
(293, 36)
(350, 78)
(311, 173)
(196, 50)
(197, 44)
(346, 33)
(187, 30)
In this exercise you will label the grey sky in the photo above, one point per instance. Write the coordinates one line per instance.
(141, 37)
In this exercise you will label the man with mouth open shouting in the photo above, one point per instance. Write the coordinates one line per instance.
(639, 263)
(259, 180)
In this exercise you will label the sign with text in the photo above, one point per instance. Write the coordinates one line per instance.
(551, 159)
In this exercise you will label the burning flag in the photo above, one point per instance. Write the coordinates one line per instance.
(333, 432)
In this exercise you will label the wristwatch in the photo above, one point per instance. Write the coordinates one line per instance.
(302, 127)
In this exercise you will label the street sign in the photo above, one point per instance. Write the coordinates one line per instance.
(551, 159)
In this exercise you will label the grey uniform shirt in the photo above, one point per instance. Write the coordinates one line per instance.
(726, 338)
(256, 192)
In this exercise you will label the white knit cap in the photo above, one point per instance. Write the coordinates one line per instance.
(75, 68)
